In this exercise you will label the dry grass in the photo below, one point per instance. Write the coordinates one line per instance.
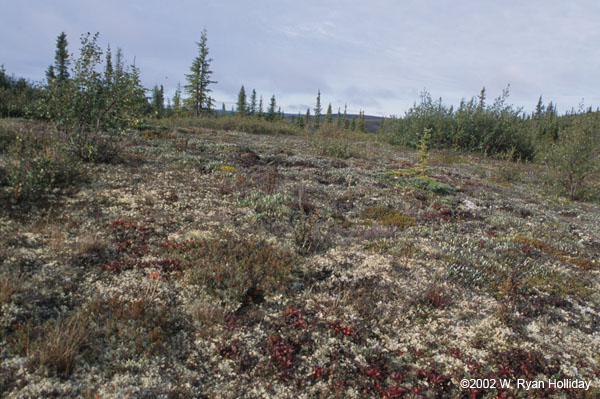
(58, 343)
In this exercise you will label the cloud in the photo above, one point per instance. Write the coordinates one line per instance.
(375, 56)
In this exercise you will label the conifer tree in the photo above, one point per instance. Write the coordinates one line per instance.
(60, 69)
(329, 116)
(360, 123)
(318, 111)
(108, 69)
(260, 114)
(539, 109)
(345, 117)
(253, 103)
(339, 119)
(177, 101)
(300, 120)
(158, 99)
(223, 110)
(271, 111)
(199, 78)
(353, 124)
(241, 102)
(481, 98)
(307, 119)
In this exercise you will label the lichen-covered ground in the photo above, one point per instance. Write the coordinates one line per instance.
(210, 264)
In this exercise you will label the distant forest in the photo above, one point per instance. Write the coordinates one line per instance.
(96, 92)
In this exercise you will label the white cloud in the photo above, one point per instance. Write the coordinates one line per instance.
(374, 55)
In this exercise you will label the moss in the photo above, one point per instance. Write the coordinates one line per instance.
(388, 217)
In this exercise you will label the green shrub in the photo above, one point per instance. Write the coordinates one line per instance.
(431, 184)
(93, 109)
(32, 173)
(574, 159)
(335, 149)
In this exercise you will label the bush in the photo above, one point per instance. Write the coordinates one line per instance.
(431, 184)
(33, 172)
(575, 158)
(93, 109)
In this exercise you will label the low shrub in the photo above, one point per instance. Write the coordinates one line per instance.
(236, 269)
(574, 160)
(32, 173)
(431, 184)
(388, 217)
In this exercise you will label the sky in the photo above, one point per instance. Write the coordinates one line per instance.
(377, 56)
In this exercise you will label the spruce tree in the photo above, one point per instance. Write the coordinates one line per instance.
(260, 114)
(539, 109)
(253, 102)
(199, 78)
(360, 123)
(223, 110)
(241, 102)
(272, 109)
(108, 69)
(158, 99)
(307, 119)
(177, 101)
(300, 120)
(329, 116)
(353, 124)
(339, 119)
(61, 58)
(382, 125)
(481, 98)
(318, 111)
(345, 117)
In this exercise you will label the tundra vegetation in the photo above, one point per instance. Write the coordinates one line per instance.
(174, 251)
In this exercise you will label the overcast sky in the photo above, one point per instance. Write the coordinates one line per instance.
(374, 55)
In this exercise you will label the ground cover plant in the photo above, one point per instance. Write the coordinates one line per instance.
(221, 263)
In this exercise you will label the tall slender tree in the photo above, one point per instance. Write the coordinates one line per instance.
(242, 107)
(345, 124)
(339, 119)
(318, 111)
(307, 119)
(158, 100)
(329, 116)
(252, 104)
(261, 113)
(199, 78)
(272, 109)
(300, 120)
(60, 69)
(360, 123)
(177, 101)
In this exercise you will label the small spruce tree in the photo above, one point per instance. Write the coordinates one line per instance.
(318, 111)
(329, 116)
(241, 102)
(252, 105)
(272, 109)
